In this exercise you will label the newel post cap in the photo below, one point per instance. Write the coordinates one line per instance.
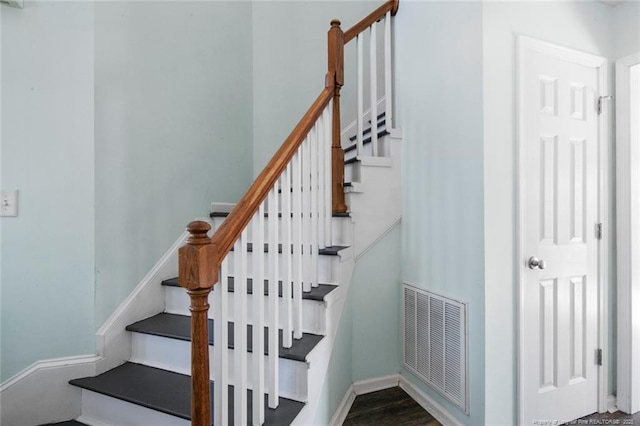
(196, 265)
(335, 22)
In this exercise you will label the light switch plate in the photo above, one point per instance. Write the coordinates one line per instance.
(9, 202)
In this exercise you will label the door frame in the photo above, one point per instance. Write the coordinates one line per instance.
(524, 44)
(628, 207)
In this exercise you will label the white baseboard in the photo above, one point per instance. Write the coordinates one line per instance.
(362, 387)
(41, 393)
(429, 404)
(343, 409)
(91, 421)
(612, 404)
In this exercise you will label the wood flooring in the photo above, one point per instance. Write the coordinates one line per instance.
(617, 418)
(388, 407)
(393, 407)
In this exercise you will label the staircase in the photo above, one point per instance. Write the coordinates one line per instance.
(286, 272)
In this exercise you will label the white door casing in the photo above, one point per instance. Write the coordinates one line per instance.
(558, 213)
(628, 226)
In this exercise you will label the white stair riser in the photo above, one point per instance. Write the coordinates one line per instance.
(352, 172)
(327, 266)
(313, 312)
(175, 355)
(340, 230)
(98, 409)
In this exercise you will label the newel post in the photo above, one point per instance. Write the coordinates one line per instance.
(335, 49)
(197, 273)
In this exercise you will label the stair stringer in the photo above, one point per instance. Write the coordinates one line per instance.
(376, 206)
(372, 219)
(147, 299)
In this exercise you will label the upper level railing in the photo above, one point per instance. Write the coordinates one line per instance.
(295, 194)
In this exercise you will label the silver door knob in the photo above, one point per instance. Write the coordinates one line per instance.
(534, 263)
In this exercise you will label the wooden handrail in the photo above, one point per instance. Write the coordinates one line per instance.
(370, 19)
(225, 236)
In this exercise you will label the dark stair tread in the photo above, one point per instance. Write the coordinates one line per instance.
(316, 293)
(67, 423)
(225, 214)
(331, 250)
(381, 133)
(328, 251)
(381, 119)
(170, 392)
(179, 327)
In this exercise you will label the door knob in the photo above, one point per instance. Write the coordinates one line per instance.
(534, 263)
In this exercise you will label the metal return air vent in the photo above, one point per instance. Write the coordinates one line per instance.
(435, 342)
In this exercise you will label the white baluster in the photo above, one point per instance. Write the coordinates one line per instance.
(287, 329)
(313, 193)
(220, 352)
(373, 88)
(360, 82)
(257, 224)
(240, 329)
(306, 213)
(321, 180)
(328, 112)
(297, 244)
(272, 360)
(388, 94)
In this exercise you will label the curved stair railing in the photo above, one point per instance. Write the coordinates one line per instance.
(287, 209)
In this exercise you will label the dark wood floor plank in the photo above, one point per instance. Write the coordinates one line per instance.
(618, 416)
(388, 407)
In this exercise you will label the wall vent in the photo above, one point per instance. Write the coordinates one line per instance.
(435, 342)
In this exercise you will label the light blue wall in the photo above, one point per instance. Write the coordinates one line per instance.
(439, 109)
(47, 154)
(104, 194)
(367, 344)
(173, 128)
(290, 63)
(376, 289)
(626, 30)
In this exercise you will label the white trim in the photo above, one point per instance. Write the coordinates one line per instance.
(375, 161)
(604, 202)
(45, 385)
(147, 299)
(363, 387)
(628, 207)
(523, 44)
(350, 129)
(612, 404)
(428, 403)
(45, 365)
(343, 409)
(377, 240)
(91, 421)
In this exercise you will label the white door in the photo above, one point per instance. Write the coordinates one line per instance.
(558, 124)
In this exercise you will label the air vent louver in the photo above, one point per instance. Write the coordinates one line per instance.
(435, 342)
